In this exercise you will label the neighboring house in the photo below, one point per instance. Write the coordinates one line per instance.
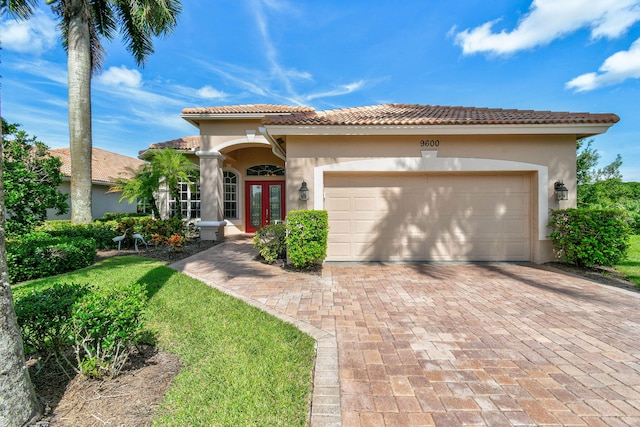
(106, 167)
(399, 182)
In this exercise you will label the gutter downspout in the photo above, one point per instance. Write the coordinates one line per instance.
(275, 147)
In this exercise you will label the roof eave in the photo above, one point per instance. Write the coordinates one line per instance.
(196, 118)
(579, 129)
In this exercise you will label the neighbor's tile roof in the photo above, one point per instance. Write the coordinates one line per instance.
(249, 109)
(416, 115)
(105, 166)
(186, 143)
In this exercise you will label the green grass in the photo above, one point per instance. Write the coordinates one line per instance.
(240, 366)
(631, 265)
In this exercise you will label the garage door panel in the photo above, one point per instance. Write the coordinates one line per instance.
(428, 217)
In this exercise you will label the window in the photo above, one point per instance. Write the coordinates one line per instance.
(143, 206)
(265, 170)
(189, 200)
(230, 195)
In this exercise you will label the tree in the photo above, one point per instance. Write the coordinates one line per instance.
(83, 23)
(18, 401)
(31, 178)
(143, 186)
(587, 159)
(166, 170)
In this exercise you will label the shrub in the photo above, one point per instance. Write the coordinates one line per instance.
(588, 237)
(117, 216)
(106, 325)
(307, 237)
(270, 242)
(162, 228)
(44, 317)
(40, 255)
(101, 232)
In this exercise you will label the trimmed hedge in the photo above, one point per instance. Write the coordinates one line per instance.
(588, 237)
(39, 255)
(307, 232)
(101, 232)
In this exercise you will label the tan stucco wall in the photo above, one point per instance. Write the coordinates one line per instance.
(555, 154)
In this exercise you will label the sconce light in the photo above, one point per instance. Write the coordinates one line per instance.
(561, 191)
(304, 191)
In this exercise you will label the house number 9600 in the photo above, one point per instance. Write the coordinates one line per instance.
(429, 142)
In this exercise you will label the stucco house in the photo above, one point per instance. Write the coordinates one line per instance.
(400, 182)
(106, 168)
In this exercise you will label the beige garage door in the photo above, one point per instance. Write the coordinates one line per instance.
(423, 217)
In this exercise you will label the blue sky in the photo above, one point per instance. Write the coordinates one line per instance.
(570, 55)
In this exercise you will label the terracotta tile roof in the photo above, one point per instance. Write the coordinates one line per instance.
(186, 143)
(249, 109)
(415, 115)
(106, 166)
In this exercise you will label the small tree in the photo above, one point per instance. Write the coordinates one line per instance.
(31, 180)
(166, 170)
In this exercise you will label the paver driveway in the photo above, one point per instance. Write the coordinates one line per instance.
(447, 345)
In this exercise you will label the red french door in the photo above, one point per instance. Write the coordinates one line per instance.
(264, 203)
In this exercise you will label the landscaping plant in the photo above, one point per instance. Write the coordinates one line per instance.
(588, 237)
(270, 242)
(106, 324)
(307, 232)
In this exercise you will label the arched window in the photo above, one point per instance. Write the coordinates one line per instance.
(265, 170)
(230, 195)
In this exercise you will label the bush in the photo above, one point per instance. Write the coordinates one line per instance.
(270, 242)
(105, 326)
(39, 255)
(102, 232)
(588, 237)
(163, 228)
(117, 216)
(44, 317)
(306, 239)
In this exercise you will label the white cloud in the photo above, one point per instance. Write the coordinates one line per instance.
(548, 20)
(341, 90)
(615, 69)
(207, 92)
(120, 76)
(35, 35)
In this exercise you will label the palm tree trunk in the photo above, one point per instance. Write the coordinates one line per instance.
(80, 144)
(18, 401)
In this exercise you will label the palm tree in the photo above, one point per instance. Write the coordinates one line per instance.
(166, 170)
(83, 23)
(143, 186)
(173, 168)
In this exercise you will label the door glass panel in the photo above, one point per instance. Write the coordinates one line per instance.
(275, 205)
(255, 206)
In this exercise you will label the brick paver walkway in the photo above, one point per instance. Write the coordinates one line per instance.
(450, 344)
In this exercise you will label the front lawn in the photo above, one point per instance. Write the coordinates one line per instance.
(240, 366)
(630, 267)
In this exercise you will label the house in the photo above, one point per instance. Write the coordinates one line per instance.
(400, 182)
(106, 168)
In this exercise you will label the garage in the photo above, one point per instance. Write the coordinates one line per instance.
(429, 217)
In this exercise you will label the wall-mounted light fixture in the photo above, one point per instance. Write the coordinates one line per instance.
(304, 191)
(562, 193)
